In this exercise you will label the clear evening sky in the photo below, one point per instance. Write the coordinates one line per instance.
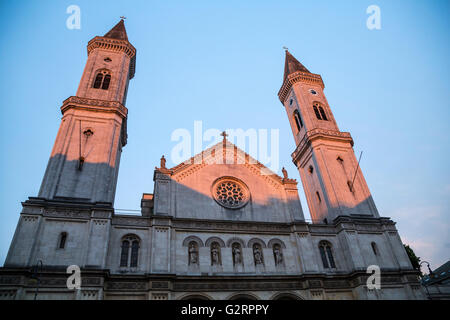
(222, 62)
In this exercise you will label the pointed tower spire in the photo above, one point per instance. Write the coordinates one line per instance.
(292, 65)
(118, 32)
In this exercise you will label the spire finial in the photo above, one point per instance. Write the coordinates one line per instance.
(285, 48)
(122, 17)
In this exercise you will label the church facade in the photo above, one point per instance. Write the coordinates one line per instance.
(219, 226)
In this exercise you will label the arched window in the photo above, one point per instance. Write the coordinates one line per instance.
(129, 258)
(326, 254)
(107, 80)
(62, 240)
(320, 112)
(298, 120)
(102, 80)
(374, 248)
(316, 111)
(216, 259)
(318, 197)
(134, 254)
(98, 80)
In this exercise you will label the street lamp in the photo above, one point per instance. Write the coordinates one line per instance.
(430, 273)
(37, 269)
(428, 265)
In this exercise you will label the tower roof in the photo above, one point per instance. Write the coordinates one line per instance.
(118, 32)
(292, 65)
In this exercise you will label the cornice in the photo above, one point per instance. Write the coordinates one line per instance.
(298, 77)
(97, 105)
(319, 133)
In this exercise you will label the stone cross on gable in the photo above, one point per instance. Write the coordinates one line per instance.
(224, 135)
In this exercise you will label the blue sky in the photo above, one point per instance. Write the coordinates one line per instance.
(222, 62)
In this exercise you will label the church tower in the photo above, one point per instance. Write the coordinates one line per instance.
(333, 182)
(84, 163)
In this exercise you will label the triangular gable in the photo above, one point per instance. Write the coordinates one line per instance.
(215, 155)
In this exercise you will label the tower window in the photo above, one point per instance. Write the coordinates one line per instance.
(130, 258)
(350, 186)
(102, 80)
(374, 248)
(98, 81)
(318, 196)
(311, 169)
(62, 240)
(290, 102)
(326, 254)
(320, 112)
(298, 120)
(107, 80)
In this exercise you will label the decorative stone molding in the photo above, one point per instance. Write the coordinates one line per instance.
(272, 242)
(233, 240)
(160, 285)
(7, 294)
(313, 134)
(94, 105)
(9, 280)
(90, 281)
(160, 296)
(131, 221)
(89, 294)
(252, 241)
(241, 285)
(215, 239)
(126, 286)
(295, 77)
(67, 213)
(232, 226)
(29, 218)
(193, 238)
(100, 222)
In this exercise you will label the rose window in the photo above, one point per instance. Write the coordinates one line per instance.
(230, 193)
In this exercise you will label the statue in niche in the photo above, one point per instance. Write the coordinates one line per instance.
(193, 253)
(257, 254)
(278, 255)
(237, 256)
(215, 254)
